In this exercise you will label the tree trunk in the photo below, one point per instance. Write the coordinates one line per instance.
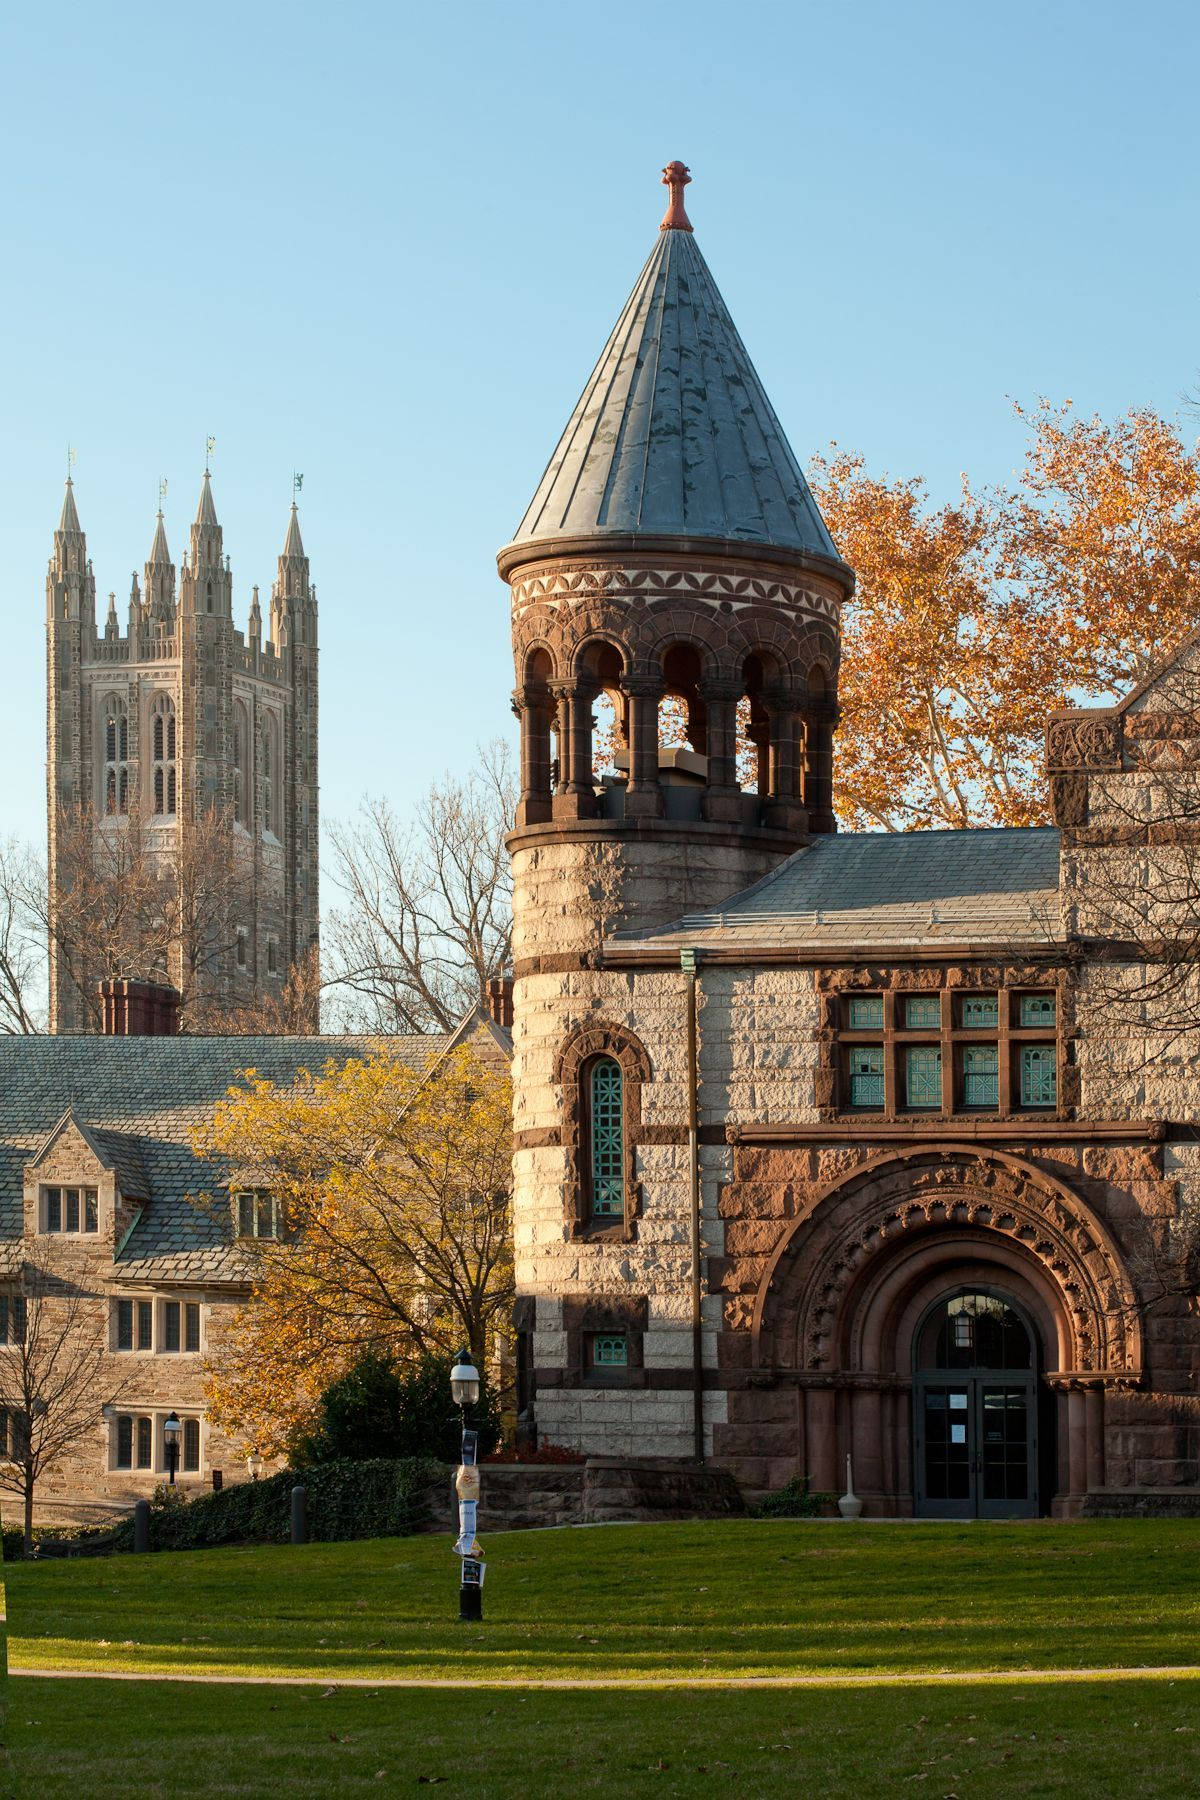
(28, 1548)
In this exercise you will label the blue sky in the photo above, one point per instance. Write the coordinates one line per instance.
(384, 245)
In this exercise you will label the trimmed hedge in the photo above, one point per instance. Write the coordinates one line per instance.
(794, 1500)
(379, 1498)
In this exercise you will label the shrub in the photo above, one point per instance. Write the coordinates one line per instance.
(545, 1453)
(381, 1409)
(794, 1500)
(346, 1499)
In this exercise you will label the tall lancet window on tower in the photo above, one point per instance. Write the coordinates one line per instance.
(271, 774)
(162, 746)
(241, 810)
(606, 1131)
(116, 758)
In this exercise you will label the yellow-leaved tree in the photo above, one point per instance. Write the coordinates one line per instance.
(391, 1185)
(973, 620)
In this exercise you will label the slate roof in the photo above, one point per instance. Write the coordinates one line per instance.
(139, 1098)
(674, 434)
(892, 888)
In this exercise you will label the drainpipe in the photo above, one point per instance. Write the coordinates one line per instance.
(687, 962)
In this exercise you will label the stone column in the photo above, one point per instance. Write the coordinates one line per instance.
(575, 796)
(867, 1441)
(532, 705)
(1094, 1397)
(784, 808)
(722, 795)
(1077, 1445)
(821, 1437)
(819, 724)
(643, 796)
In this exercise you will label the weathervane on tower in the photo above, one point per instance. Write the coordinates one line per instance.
(210, 445)
(162, 491)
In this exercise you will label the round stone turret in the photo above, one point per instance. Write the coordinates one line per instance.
(672, 549)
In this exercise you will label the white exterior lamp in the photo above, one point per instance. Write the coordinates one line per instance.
(254, 1463)
(464, 1381)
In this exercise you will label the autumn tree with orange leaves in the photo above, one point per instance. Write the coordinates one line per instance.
(393, 1187)
(975, 619)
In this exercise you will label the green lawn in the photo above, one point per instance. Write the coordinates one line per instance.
(657, 1603)
(89, 1740)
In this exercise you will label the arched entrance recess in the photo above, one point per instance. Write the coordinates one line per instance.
(842, 1305)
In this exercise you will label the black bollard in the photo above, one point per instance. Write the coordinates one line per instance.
(141, 1525)
(299, 1515)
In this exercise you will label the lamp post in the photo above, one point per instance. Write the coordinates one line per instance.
(171, 1433)
(254, 1463)
(464, 1390)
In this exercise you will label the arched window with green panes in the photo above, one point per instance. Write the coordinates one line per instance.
(607, 1138)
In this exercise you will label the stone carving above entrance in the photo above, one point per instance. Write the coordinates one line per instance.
(806, 1298)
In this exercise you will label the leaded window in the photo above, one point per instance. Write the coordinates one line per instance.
(258, 1216)
(980, 1075)
(922, 1012)
(605, 1106)
(1037, 1011)
(170, 1321)
(865, 1013)
(610, 1350)
(162, 735)
(13, 1318)
(922, 1077)
(70, 1209)
(866, 1075)
(191, 1340)
(980, 1012)
(191, 1446)
(1039, 1075)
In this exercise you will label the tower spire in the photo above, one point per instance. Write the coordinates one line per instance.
(69, 518)
(159, 554)
(206, 512)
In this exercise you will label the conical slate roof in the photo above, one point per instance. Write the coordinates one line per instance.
(674, 434)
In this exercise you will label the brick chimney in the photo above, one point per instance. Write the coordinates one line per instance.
(139, 1009)
(500, 1001)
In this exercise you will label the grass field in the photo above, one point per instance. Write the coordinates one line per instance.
(663, 1618)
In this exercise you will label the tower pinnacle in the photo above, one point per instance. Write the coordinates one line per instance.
(159, 554)
(206, 512)
(69, 521)
(676, 178)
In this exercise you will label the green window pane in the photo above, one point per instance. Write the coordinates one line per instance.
(608, 1139)
(866, 1075)
(610, 1351)
(1039, 1075)
(923, 1077)
(923, 1012)
(865, 1013)
(1037, 1010)
(979, 1012)
(981, 1075)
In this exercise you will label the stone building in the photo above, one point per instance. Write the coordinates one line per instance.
(827, 1146)
(176, 717)
(98, 1187)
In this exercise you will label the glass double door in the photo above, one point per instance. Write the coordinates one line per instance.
(976, 1445)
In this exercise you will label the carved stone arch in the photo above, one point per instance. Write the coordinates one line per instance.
(534, 670)
(576, 1055)
(593, 656)
(954, 1198)
(686, 628)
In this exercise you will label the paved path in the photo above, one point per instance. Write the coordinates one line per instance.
(940, 1678)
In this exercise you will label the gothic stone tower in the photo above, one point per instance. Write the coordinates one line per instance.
(181, 715)
(672, 549)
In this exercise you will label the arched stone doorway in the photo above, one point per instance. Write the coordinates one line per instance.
(844, 1310)
(976, 1368)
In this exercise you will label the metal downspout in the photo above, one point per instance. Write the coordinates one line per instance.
(687, 961)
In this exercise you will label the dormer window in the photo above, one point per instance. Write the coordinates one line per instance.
(258, 1215)
(69, 1209)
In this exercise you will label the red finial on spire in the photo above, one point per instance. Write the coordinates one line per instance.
(676, 177)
